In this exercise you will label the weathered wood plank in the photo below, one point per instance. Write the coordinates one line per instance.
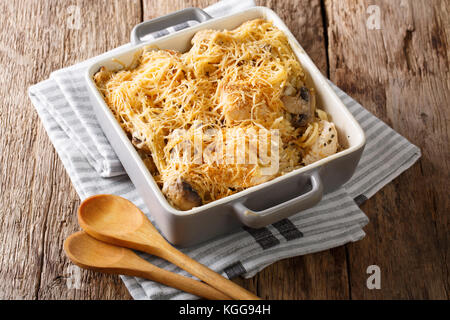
(104, 25)
(402, 77)
(38, 202)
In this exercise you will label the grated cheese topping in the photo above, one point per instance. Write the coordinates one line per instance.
(229, 84)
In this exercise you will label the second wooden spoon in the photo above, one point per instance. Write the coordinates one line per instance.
(116, 220)
(90, 253)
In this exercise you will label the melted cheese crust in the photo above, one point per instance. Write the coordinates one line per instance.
(229, 82)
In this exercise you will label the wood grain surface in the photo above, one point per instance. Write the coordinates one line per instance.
(399, 72)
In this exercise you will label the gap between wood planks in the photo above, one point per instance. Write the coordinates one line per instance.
(323, 12)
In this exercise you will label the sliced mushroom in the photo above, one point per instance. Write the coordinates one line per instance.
(290, 90)
(139, 143)
(299, 120)
(181, 194)
(305, 94)
(301, 104)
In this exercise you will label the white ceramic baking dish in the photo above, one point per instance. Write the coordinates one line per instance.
(255, 207)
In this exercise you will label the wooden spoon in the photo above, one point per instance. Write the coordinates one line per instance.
(90, 253)
(115, 220)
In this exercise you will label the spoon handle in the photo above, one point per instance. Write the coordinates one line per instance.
(180, 282)
(202, 272)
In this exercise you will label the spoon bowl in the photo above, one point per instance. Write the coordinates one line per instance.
(86, 251)
(117, 221)
(110, 214)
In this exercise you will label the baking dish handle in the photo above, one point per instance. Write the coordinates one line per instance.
(164, 22)
(259, 219)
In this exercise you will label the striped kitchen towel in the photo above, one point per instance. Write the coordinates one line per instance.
(64, 107)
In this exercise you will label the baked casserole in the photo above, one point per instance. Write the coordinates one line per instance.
(231, 88)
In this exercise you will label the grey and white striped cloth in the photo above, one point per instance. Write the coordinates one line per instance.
(64, 107)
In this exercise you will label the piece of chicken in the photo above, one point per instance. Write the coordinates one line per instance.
(325, 145)
(236, 105)
(181, 194)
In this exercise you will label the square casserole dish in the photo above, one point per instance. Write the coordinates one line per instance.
(254, 207)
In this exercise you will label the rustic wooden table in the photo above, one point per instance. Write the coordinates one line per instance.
(399, 71)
